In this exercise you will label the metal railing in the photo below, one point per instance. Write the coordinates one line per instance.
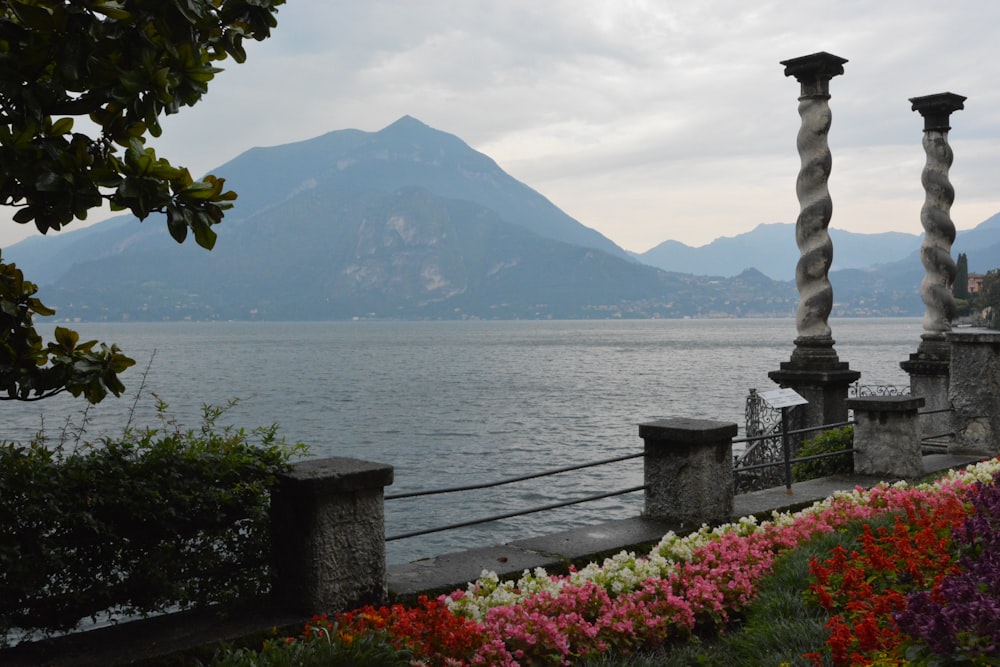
(858, 390)
(766, 429)
(768, 462)
(513, 480)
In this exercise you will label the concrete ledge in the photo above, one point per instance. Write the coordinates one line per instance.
(602, 540)
(446, 573)
(762, 503)
(886, 403)
(172, 639)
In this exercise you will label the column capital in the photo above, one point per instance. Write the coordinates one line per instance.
(814, 72)
(937, 108)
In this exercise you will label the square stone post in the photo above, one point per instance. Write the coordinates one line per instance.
(929, 379)
(974, 390)
(688, 470)
(328, 527)
(887, 436)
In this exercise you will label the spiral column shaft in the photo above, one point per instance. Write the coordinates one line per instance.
(939, 230)
(815, 246)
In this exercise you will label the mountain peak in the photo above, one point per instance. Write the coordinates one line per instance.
(407, 122)
(409, 129)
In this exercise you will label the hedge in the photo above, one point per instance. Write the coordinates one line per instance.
(152, 521)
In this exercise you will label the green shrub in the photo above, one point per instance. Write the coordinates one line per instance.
(371, 649)
(151, 521)
(834, 440)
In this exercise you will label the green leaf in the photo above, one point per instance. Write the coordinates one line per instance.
(50, 183)
(201, 191)
(25, 214)
(31, 15)
(62, 126)
(203, 233)
(177, 226)
(67, 338)
(113, 10)
(38, 308)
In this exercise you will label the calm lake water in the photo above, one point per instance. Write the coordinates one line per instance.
(453, 403)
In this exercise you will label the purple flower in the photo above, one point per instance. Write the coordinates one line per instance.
(960, 617)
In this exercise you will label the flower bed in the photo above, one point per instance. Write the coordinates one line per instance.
(927, 590)
(701, 580)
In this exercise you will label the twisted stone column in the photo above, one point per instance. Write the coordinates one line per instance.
(814, 72)
(939, 230)
(930, 367)
(814, 370)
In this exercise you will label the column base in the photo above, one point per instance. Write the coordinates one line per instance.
(820, 377)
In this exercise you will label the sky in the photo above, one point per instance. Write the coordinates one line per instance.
(647, 120)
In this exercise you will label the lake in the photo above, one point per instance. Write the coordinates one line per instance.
(453, 403)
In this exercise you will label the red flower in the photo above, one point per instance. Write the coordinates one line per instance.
(867, 586)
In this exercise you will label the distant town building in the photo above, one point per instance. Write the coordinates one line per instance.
(975, 282)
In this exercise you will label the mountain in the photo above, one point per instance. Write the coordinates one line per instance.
(410, 222)
(407, 222)
(405, 254)
(893, 288)
(771, 249)
(407, 153)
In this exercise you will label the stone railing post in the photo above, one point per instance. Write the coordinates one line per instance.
(887, 436)
(328, 528)
(688, 467)
(814, 370)
(974, 390)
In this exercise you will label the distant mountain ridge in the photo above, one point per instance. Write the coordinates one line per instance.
(771, 249)
(410, 222)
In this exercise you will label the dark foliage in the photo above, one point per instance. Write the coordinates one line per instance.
(150, 521)
(827, 442)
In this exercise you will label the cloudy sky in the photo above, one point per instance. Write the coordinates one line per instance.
(647, 120)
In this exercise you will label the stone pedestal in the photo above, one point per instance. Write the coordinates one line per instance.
(887, 436)
(329, 535)
(689, 470)
(929, 380)
(816, 373)
(974, 390)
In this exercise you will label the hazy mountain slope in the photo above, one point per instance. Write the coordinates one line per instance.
(329, 254)
(406, 153)
(771, 249)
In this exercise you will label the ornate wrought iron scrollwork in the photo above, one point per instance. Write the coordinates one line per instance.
(762, 422)
(857, 390)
